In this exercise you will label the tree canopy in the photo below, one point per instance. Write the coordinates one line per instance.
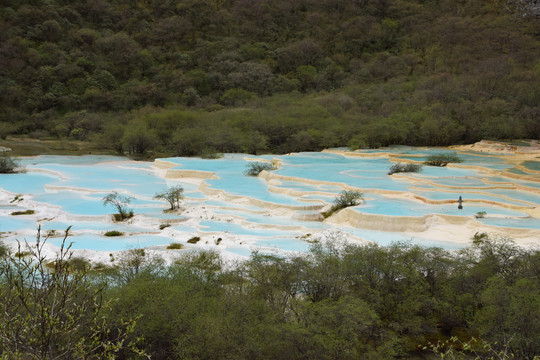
(270, 75)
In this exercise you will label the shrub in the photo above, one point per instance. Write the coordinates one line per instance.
(194, 240)
(50, 310)
(256, 167)
(345, 199)
(8, 165)
(163, 226)
(175, 246)
(480, 214)
(442, 159)
(25, 212)
(401, 168)
(113, 233)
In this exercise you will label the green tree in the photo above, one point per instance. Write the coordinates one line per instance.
(120, 202)
(172, 195)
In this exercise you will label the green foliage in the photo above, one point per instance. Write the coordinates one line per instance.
(119, 202)
(23, 212)
(406, 87)
(4, 250)
(8, 164)
(345, 199)
(339, 300)
(442, 159)
(254, 168)
(236, 97)
(172, 195)
(401, 168)
(113, 233)
(65, 316)
(480, 214)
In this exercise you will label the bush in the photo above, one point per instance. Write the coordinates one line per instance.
(480, 214)
(54, 309)
(345, 199)
(113, 233)
(401, 168)
(256, 167)
(163, 226)
(175, 246)
(8, 165)
(442, 159)
(25, 212)
(194, 240)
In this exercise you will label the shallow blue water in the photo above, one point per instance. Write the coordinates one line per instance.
(26, 183)
(114, 243)
(527, 223)
(95, 176)
(16, 223)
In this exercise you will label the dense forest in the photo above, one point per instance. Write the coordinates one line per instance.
(338, 301)
(196, 77)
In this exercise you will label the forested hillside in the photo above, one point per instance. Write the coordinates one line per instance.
(201, 76)
(337, 302)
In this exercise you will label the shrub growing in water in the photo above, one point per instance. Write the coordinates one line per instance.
(345, 199)
(114, 233)
(25, 212)
(442, 159)
(8, 165)
(400, 168)
(256, 167)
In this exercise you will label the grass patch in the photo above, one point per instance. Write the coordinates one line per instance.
(113, 233)
(25, 212)
(194, 240)
(403, 168)
(442, 159)
(175, 246)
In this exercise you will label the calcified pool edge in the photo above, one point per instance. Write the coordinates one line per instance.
(241, 219)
